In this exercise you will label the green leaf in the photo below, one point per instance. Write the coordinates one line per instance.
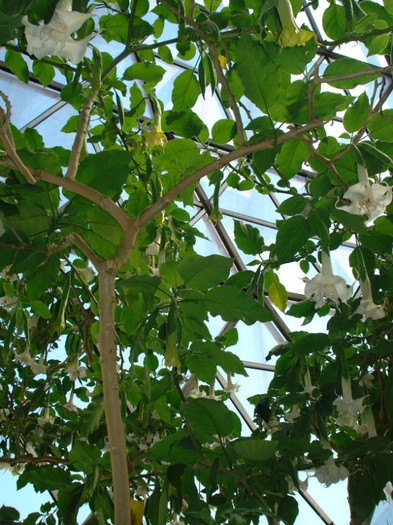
(248, 238)
(165, 54)
(146, 284)
(144, 71)
(293, 205)
(202, 273)
(320, 186)
(204, 357)
(84, 456)
(351, 222)
(288, 510)
(347, 66)
(291, 157)
(381, 126)
(233, 305)
(212, 5)
(17, 65)
(278, 295)
(291, 236)
(44, 478)
(91, 417)
(44, 72)
(209, 418)
(356, 115)
(8, 26)
(105, 171)
(333, 20)
(372, 150)
(259, 74)
(186, 124)
(185, 91)
(223, 131)
(253, 449)
(41, 309)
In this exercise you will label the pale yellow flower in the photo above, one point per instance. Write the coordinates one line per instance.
(155, 137)
(291, 35)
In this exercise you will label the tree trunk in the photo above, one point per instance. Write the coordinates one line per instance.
(114, 422)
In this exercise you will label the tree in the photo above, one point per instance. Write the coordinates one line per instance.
(97, 258)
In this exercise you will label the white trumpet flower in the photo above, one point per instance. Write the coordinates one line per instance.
(55, 38)
(347, 407)
(367, 307)
(365, 198)
(329, 473)
(325, 285)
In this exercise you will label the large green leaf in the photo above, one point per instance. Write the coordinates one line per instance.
(186, 124)
(259, 74)
(253, 449)
(204, 357)
(185, 91)
(210, 418)
(248, 238)
(291, 157)
(44, 478)
(234, 305)
(144, 71)
(202, 273)
(291, 236)
(105, 171)
(381, 126)
(346, 66)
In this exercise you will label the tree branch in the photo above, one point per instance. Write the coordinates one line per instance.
(103, 201)
(74, 238)
(164, 201)
(81, 134)
(8, 140)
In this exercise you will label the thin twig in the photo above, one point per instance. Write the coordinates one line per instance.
(243, 151)
(8, 140)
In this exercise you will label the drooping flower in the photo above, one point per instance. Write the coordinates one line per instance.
(348, 408)
(75, 371)
(8, 303)
(329, 473)
(231, 387)
(291, 35)
(325, 285)
(155, 137)
(293, 414)
(55, 38)
(308, 386)
(366, 199)
(367, 307)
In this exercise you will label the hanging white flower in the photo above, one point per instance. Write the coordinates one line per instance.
(329, 473)
(366, 199)
(55, 38)
(75, 371)
(231, 387)
(8, 303)
(325, 285)
(293, 414)
(367, 307)
(348, 408)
